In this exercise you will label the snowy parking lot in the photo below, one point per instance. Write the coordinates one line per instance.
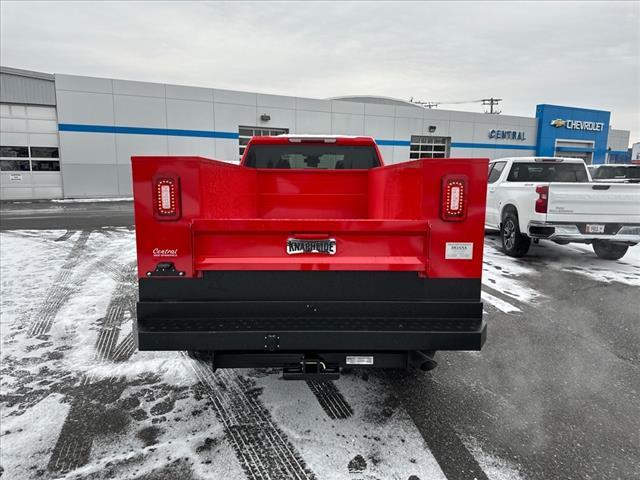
(552, 395)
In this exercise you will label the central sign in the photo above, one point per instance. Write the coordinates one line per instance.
(507, 135)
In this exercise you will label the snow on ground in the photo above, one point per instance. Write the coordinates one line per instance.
(511, 276)
(579, 258)
(30, 436)
(507, 275)
(383, 436)
(98, 417)
(504, 307)
(79, 402)
(495, 468)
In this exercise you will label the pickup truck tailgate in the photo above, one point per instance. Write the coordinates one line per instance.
(259, 244)
(595, 203)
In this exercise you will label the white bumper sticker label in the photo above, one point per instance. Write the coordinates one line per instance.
(458, 251)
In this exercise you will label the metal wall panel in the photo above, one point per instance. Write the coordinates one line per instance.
(18, 88)
(618, 140)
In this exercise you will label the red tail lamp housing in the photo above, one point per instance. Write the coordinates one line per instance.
(166, 197)
(453, 198)
(543, 198)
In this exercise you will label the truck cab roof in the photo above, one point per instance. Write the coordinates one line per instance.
(538, 159)
(312, 138)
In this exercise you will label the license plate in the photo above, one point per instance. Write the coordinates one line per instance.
(595, 228)
(326, 246)
(359, 360)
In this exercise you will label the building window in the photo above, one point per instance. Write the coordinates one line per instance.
(14, 165)
(424, 146)
(9, 154)
(14, 152)
(44, 152)
(247, 132)
(45, 165)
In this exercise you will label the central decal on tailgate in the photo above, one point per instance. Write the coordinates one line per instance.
(325, 246)
(165, 252)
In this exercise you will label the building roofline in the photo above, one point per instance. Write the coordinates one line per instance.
(26, 73)
(363, 99)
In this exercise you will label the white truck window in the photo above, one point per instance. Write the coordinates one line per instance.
(495, 172)
(548, 172)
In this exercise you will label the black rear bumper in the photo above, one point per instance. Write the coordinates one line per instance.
(318, 326)
(349, 312)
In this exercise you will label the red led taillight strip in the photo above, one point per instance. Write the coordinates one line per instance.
(454, 198)
(166, 197)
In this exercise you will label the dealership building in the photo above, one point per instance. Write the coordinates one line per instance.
(66, 136)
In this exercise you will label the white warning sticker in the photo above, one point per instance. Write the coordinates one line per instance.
(458, 251)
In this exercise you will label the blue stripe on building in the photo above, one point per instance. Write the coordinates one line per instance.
(173, 132)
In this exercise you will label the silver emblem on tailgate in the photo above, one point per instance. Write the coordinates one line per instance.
(325, 246)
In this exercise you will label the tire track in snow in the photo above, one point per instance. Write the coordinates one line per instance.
(330, 399)
(125, 349)
(121, 303)
(66, 236)
(432, 419)
(61, 289)
(261, 447)
(67, 281)
(86, 418)
(74, 444)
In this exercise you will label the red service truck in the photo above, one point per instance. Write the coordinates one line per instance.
(310, 256)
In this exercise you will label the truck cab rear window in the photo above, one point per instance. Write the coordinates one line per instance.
(616, 172)
(319, 157)
(548, 172)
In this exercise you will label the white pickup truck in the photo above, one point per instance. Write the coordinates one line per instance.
(554, 198)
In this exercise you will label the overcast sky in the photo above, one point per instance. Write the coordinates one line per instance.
(582, 54)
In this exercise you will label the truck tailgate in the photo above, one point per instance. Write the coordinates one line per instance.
(594, 203)
(259, 244)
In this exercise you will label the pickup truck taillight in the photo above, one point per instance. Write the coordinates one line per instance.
(543, 198)
(166, 197)
(454, 198)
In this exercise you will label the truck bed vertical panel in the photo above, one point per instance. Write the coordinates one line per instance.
(469, 230)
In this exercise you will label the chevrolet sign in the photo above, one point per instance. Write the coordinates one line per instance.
(577, 125)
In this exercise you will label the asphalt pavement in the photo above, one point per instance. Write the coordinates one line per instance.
(553, 394)
(63, 214)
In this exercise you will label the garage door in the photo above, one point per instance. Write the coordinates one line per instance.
(29, 153)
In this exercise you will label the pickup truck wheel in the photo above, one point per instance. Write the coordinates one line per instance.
(514, 243)
(608, 250)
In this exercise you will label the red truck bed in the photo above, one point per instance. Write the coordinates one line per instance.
(216, 272)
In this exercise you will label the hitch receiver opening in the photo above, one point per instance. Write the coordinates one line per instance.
(311, 369)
